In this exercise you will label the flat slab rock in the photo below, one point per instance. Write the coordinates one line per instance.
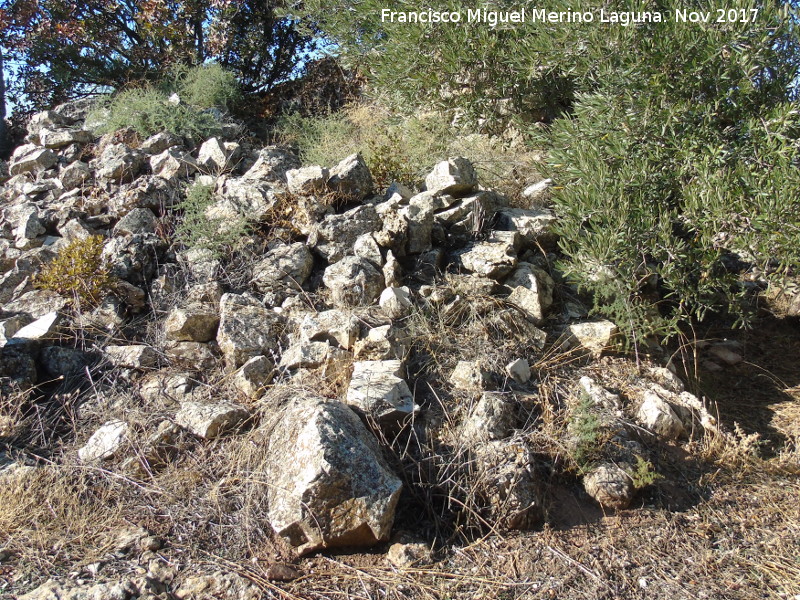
(329, 483)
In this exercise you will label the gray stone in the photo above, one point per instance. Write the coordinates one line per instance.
(657, 415)
(246, 329)
(194, 323)
(253, 376)
(378, 389)
(251, 199)
(381, 343)
(333, 326)
(36, 303)
(329, 484)
(396, 302)
(75, 175)
(351, 180)
(598, 395)
(105, 443)
(313, 355)
(403, 556)
(535, 226)
(31, 159)
(594, 336)
(173, 164)
(452, 176)
(469, 376)
(336, 235)
(505, 471)
(282, 271)
(493, 418)
(58, 138)
(133, 357)
(307, 180)
(47, 119)
(11, 325)
(419, 229)
(210, 420)
(118, 163)
(158, 143)
(519, 370)
(494, 258)
(42, 329)
(353, 282)
(217, 156)
(609, 485)
(272, 164)
(366, 247)
(17, 369)
(531, 290)
(193, 356)
(139, 220)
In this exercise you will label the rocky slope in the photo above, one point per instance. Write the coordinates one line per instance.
(359, 358)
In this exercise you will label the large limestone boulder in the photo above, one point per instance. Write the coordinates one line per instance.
(335, 326)
(307, 181)
(246, 329)
(194, 323)
(31, 159)
(329, 485)
(119, 163)
(272, 164)
(353, 282)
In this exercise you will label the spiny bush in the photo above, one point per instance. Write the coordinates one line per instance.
(78, 272)
(205, 86)
(198, 230)
(147, 109)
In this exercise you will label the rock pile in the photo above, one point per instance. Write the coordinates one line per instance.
(328, 302)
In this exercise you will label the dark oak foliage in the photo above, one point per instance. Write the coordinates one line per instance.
(63, 49)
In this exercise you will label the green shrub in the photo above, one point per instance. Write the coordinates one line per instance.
(78, 272)
(674, 146)
(197, 230)
(644, 474)
(147, 109)
(204, 86)
(587, 431)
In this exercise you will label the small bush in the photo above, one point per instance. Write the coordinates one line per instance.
(78, 272)
(205, 86)
(587, 431)
(643, 474)
(148, 110)
(197, 230)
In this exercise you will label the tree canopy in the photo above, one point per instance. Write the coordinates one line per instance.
(58, 49)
